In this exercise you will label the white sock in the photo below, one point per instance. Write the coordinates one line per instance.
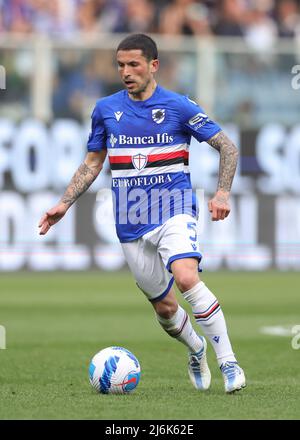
(209, 316)
(179, 326)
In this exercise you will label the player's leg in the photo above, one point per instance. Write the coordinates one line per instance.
(179, 248)
(209, 316)
(205, 307)
(176, 322)
(156, 283)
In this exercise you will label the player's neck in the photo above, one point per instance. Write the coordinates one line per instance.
(145, 94)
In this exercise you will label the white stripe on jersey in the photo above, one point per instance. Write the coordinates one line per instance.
(116, 151)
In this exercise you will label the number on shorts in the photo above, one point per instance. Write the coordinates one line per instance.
(193, 227)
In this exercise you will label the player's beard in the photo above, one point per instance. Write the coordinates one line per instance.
(141, 89)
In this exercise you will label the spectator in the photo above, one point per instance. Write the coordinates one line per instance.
(140, 16)
(261, 31)
(86, 16)
(288, 17)
(187, 17)
(16, 16)
(112, 17)
(231, 19)
(45, 16)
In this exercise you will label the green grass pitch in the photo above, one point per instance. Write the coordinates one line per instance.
(56, 322)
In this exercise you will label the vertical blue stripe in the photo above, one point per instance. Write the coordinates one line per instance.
(110, 367)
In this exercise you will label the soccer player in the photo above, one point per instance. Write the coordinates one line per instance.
(145, 130)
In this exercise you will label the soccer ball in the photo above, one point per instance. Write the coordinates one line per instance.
(114, 370)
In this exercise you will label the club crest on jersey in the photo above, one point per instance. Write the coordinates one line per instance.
(139, 161)
(158, 115)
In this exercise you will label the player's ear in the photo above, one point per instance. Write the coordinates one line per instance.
(154, 65)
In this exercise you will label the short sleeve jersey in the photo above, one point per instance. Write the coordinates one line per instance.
(148, 148)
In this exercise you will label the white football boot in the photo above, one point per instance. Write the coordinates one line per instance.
(198, 368)
(233, 375)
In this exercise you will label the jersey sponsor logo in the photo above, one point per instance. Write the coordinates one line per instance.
(158, 115)
(139, 161)
(113, 140)
(130, 182)
(159, 138)
(118, 115)
(199, 117)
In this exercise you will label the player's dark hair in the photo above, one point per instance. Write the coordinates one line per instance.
(142, 42)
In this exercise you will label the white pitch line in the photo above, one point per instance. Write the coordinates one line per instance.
(277, 330)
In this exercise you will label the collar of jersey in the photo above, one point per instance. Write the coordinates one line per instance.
(145, 101)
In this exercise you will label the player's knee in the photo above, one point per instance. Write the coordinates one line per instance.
(186, 280)
(166, 310)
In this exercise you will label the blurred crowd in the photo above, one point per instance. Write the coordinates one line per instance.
(253, 19)
(78, 76)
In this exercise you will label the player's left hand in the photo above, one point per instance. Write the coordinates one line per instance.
(219, 205)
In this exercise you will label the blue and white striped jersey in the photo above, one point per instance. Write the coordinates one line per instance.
(148, 148)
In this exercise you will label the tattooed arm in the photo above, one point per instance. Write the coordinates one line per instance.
(83, 178)
(81, 181)
(219, 204)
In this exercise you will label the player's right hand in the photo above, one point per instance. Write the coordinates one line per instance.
(51, 217)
